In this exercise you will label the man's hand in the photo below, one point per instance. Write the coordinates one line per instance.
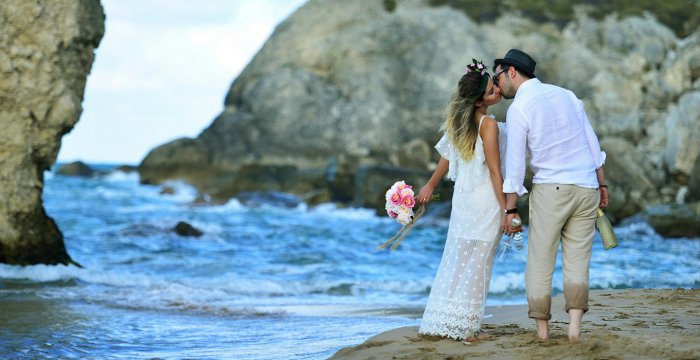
(603, 197)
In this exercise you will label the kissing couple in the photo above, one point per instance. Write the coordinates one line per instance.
(486, 160)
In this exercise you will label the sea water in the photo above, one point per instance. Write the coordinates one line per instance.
(267, 280)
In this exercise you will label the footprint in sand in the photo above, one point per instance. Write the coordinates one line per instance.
(673, 324)
(622, 316)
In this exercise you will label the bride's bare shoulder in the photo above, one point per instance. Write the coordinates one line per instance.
(489, 124)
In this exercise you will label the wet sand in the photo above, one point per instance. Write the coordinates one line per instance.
(620, 324)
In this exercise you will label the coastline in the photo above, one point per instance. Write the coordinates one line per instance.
(620, 324)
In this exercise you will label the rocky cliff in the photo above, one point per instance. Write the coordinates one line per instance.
(47, 52)
(346, 96)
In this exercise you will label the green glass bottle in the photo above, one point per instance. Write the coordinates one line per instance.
(606, 231)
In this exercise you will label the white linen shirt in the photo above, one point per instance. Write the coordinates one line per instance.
(550, 123)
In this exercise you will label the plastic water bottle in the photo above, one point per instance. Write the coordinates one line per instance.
(503, 249)
(516, 239)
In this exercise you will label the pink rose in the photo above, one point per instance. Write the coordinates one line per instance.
(408, 201)
(396, 198)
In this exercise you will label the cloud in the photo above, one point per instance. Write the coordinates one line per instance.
(162, 71)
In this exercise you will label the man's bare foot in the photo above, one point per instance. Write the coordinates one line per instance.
(542, 329)
(574, 335)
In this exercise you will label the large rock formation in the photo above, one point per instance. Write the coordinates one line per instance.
(47, 54)
(346, 87)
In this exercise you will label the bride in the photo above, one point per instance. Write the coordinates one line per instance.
(470, 155)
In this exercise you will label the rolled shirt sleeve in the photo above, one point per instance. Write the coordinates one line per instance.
(516, 126)
(593, 144)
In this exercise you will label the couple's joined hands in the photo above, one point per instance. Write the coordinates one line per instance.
(508, 228)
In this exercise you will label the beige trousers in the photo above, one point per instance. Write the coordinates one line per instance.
(563, 213)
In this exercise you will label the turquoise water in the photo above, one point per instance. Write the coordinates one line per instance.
(265, 281)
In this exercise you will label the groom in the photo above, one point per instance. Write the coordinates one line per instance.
(550, 125)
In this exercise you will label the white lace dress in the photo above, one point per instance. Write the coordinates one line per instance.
(456, 303)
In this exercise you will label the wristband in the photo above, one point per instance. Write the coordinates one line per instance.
(603, 186)
(511, 211)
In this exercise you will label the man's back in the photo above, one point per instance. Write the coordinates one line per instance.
(557, 132)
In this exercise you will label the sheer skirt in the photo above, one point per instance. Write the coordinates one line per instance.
(458, 296)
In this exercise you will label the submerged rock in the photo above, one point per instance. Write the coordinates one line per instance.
(185, 229)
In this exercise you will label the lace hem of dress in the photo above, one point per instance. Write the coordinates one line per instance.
(453, 319)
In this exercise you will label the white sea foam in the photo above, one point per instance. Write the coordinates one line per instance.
(38, 273)
(51, 273)
(330, 209)
(145, 208)
(232, 205)
(507, 283)
(118, 176)
(183, 192)
(111, 193)
(140, 291)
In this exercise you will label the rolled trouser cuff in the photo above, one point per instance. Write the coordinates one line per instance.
(576, 296)
(539, 308)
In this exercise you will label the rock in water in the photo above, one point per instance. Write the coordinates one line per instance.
(184, 229)
(47, 51)
(77, 168)
(674, 220)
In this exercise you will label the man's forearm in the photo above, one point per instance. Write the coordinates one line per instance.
(511, 198)
(600, 174)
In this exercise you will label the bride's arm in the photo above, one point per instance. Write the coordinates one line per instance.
(426, 193)
(489, 136)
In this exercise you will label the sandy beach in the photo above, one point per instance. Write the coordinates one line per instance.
(620, 324)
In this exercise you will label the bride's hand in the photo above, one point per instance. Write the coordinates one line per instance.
(504, 224)
(425, 194)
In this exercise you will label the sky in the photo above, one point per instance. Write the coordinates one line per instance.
(162, 71)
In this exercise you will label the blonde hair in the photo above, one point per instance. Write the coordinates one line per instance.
(459, 125)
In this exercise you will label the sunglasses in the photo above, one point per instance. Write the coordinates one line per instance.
(496, 75)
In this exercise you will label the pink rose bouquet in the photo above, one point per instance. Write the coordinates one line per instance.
(400, 202)
(399, 205)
